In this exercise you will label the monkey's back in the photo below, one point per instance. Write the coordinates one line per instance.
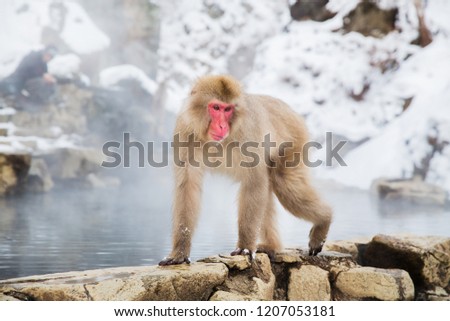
(285, 125)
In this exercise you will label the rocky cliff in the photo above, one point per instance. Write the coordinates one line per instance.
(381, 268)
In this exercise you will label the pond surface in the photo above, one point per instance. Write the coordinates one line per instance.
(76, 229)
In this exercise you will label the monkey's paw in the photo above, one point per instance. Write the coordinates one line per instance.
(174, 260)
(239, 251)
(315, 249)
(270, 252)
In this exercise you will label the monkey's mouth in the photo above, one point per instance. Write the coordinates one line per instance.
(217, 137)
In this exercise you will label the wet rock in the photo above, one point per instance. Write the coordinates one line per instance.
(228, 296)
(435, 294)
(6, 113)
(66, 163)
(368, 283)
(13, 171)
(289, 256)
(52, 119)
(312, 10)
(39, 178)
(255, 283)
(237, 262)
(368, 19)
(416, 191)
(326, 260)
(425, 37)
(427, 259)
(309, 283)
(184, 282)
(7, 298)
(3, 131)
(214, 10)
(352, 247)
(290, 260)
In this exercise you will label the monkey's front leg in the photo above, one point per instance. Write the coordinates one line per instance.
(252, 206)
(185, 213)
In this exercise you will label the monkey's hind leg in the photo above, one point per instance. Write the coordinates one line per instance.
(252, 204)
(270, 242)
(293, 189)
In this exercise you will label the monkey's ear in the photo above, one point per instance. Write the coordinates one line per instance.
(193, 92)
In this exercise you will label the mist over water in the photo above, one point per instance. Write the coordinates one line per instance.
(76, 228)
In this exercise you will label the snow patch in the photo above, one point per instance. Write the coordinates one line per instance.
(7, 111)
(80, 32)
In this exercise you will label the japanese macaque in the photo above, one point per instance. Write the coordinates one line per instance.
(219, 116)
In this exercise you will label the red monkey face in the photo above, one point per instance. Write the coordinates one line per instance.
(220, 114)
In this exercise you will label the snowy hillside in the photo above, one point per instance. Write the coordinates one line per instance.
(200, 37)
(353, 86)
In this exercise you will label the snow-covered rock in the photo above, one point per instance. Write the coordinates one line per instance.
(64, 66)
(110, 77)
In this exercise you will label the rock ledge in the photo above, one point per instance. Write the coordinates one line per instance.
(381, 268)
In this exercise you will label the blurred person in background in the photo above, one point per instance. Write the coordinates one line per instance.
(31, 79)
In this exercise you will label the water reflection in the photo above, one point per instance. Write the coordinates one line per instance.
(77, 229)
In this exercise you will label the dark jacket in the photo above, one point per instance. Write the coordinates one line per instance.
(31, 66)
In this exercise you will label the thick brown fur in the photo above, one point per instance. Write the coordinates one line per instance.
(254, 117)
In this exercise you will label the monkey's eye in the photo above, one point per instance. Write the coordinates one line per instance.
(216, 107)
(227, 109)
